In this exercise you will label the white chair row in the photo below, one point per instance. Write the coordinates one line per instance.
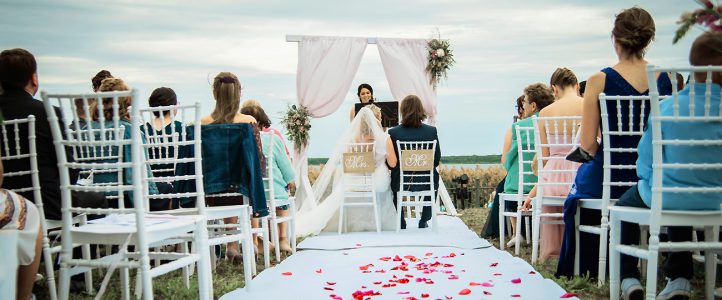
(525, 147)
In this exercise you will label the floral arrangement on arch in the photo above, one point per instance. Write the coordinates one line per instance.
(440, 59)
(297, 122)
(710, 16)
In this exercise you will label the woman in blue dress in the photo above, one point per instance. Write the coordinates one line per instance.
(633, 31)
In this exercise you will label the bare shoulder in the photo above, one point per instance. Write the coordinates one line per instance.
(206, 120)
(242, 118)
(596, 80)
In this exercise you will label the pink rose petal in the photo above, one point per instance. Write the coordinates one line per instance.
(569, 295)
(516, 281)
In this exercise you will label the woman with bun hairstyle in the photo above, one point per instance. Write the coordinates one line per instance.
(633, 31)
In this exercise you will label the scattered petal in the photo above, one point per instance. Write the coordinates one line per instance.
(474, 283)
(366, 267)
(465, 292)
(448, 298)
(532, 272)
(358, 245)
(569, 295)
(330, 283)
(429, 254)
(319, 271)
(328, 288)
(287, 273)
(424, 295)
(377, 282)
(516, 296)
(335, 297)
(403, 293)
(452, 277)
(516, 281)
(497, 274)
(494, 264)
(397, 258)
(487, 293)
(487, 284)
(385, 258)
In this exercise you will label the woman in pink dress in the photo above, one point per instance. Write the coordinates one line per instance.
(567, 103)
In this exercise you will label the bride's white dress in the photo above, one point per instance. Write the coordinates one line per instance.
(320, 212)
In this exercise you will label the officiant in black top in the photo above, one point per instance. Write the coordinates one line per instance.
(365, 95)
(412, 129)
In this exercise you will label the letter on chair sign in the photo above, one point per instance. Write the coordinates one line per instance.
(358, 162)
(417, 160)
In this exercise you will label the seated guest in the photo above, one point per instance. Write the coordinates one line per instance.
(110, 85)
(254, 102)
(536, 97)
(633, 31)
(19, 79)
(411, 129)
(567, 104)
(163, 124)
(227, 94)
(98, 79)
(283, 173)
(706, 50)
(21, 215)
(491, 227)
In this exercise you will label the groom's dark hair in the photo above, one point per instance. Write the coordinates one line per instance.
(412, 111)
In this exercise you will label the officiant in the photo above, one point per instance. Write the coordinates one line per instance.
(365, 95)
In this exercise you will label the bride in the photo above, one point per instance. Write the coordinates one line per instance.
(320, 212)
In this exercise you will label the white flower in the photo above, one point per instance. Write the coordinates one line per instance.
(440, 52)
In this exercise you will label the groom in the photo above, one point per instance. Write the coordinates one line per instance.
(412, 129)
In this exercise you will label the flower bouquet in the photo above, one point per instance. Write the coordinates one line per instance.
(297, 123)
(440, 59)
(709, 16)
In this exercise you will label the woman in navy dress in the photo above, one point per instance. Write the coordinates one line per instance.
(633, 31)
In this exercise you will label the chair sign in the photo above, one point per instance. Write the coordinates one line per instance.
(358, 162)
(417, 160)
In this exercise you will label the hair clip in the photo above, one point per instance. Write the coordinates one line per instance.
(227, 79)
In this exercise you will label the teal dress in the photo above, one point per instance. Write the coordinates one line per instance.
(511, 185)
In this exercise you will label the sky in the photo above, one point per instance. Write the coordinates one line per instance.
(500, 47)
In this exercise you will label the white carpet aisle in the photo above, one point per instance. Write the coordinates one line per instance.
(387, 271)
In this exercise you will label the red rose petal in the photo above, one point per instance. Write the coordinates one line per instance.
(516, 296)
(334, 297)
(319, 271)
(366, 267)
(429, 254)
(377, 282)
(358, 245)
(474, 283)
(397, 258)
(497, 274)
(448, 298)
(328, 288)
(569, 295)
(494, 264)
(487, 293)
(287, 273)
(330, 283)
(403, 293)
(424, 295)
(452, 277)
(465, 292)
(516, 281)
(385, 258)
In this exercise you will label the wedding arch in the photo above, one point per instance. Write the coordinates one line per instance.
(327, 66)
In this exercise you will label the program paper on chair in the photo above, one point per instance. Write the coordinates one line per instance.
(358, 183)
(103, 146)
(416, 188)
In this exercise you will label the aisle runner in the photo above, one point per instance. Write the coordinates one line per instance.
(401, 273)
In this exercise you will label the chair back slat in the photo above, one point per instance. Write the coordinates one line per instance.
(560, 139)
(525, 146)
(421, 159)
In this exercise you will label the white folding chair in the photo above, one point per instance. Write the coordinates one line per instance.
(163, 145)
(274, 203)
(623, 121)
(656, 216)
(525, 147)
(358, 183)
(416, 165)
(13, 148)
(558, 137)
(100, 149)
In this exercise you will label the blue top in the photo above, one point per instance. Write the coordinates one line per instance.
(511, 184)
(108, 177)
(685, 154)
(283, 173)
(161, 170)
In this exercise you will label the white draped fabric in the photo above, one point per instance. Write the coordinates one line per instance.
(404, 62)
(326, 67)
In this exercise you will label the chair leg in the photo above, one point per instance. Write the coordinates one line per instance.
(125, 282)
(266, 241)
(603, 243)
(536, 227)
(205, 280)
(614, 258)
(247, 248)
(576, 242)
(517, 235)
(398, 214)
(340, 217)
(643, 232)
(434, 217)
(653, 260)
(88, 276)
(276, 238)
(186, 269)
(527, 233)
(64, 293)
(376, 213)
(49, 272)
(292, 227)
(502, 224)
(710, 263)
